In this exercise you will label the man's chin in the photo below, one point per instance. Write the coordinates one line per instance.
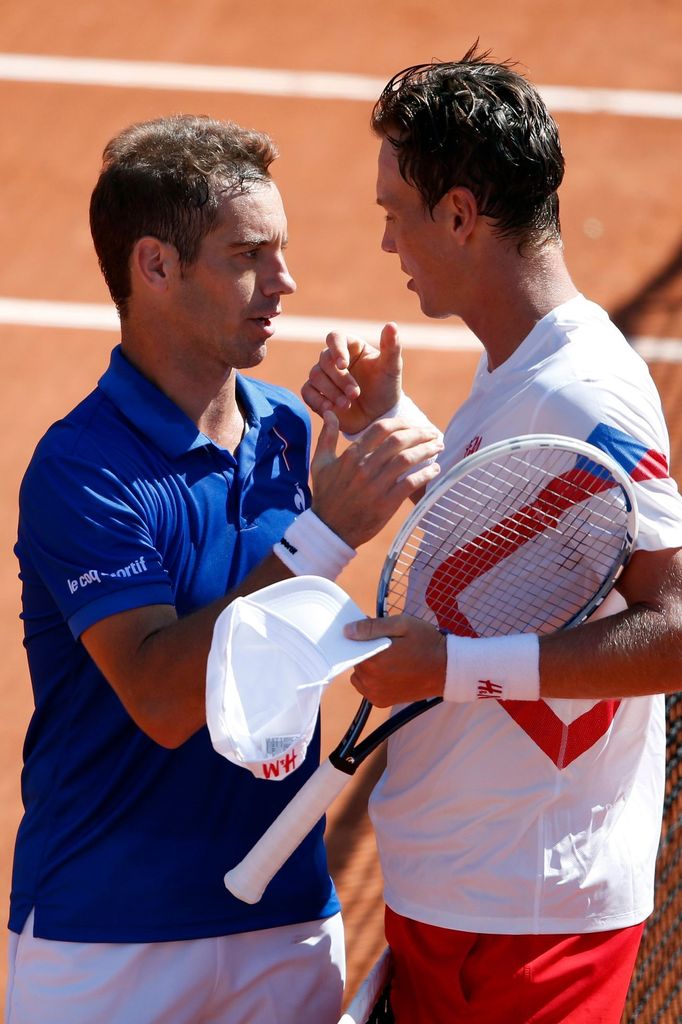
(432, 312)
(246, 357)
(255, 357)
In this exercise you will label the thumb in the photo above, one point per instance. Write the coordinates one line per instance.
(325, 450)
(391, 350)
(372, 629)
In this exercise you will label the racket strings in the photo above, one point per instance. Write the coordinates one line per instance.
(513, 547)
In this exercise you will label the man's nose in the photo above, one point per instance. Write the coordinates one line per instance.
(283, 282)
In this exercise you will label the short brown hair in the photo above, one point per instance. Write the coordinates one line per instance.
(164, 178)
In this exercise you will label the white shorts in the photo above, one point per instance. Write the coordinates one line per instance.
(275, 976)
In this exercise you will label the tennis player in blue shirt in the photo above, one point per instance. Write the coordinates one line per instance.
(143, 513)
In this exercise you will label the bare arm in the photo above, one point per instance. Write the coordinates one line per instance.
(633, 653)
(156, 662)
(636, 652)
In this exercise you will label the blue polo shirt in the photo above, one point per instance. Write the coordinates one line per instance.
(125, 504)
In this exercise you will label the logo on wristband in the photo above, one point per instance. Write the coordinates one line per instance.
(488, 689)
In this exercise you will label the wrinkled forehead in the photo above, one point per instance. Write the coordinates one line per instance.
(259, 204)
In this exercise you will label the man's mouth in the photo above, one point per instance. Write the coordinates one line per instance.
(410, 280)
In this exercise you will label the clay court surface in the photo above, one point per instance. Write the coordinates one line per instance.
(620, 213)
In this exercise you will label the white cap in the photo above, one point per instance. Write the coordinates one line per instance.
(272, 654)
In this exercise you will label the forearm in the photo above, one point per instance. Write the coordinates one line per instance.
(156, 662)
(636, 652)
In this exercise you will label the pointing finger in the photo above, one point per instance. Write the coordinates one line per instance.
(391, 349)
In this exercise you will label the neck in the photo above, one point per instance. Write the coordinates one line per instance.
(525, 288)
(223, 421)
(206, 394)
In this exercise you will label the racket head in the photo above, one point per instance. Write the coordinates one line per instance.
(525, 535)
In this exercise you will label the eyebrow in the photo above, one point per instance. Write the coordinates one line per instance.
(255, 243)
(251, 243)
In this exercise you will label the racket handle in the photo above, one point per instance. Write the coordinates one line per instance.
(248, 879)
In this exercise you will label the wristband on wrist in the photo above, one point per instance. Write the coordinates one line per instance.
(310, 548)
(406, 409)
(501, 668)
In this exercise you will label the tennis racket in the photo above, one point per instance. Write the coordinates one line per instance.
(525, 536)
(370, 1004)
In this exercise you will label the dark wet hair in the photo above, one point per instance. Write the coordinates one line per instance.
(483, 126)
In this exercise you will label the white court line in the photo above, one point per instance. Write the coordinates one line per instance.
(456, 338)
(101, 317)
(26, 67)
(659, 350)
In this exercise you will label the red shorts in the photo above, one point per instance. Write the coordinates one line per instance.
(447, 977)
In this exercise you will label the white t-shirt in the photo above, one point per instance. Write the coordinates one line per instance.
(540, 816)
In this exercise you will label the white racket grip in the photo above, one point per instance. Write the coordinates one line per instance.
(248, 879)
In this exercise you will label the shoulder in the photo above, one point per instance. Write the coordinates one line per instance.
(587, 371)
(582, 342)
(86, 431)
(83, 453)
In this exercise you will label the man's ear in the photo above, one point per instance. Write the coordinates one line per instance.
(153, 263)
(463, 212)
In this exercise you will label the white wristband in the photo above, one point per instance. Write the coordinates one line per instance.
(310, 548)
(501, 667)
(406, 409)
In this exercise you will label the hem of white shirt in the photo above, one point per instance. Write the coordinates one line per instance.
(441, 918)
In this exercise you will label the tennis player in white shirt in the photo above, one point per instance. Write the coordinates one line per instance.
(517, 839)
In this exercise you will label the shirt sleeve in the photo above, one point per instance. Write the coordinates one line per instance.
(88, 537)
(630, 427)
